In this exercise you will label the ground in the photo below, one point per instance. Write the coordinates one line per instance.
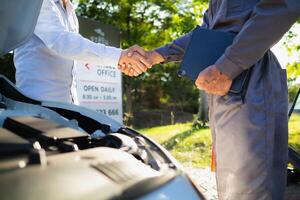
(205, 181)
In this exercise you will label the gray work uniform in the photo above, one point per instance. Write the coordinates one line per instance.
(250, 136)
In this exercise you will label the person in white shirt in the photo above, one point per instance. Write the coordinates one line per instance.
(44, 64)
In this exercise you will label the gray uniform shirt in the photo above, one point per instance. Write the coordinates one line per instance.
(259, 23)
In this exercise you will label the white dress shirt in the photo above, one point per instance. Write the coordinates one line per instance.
(44, 64)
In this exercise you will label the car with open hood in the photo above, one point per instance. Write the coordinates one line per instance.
(51, 150)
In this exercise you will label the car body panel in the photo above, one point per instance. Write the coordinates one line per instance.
(17, 22)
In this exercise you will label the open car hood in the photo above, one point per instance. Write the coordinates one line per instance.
(18, 19)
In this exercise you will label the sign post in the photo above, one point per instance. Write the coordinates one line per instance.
(99, 87)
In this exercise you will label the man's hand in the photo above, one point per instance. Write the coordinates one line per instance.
(134, 61)
(155, 57)
(151, 58)
(212, 81)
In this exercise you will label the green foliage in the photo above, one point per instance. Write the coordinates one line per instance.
(293, 69)
(293, 89)
(293, 72)
(139, 21)
(180, 91)
(292, 48)
(162, 87)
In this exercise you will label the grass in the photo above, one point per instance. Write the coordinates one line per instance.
(294, 132)
(192, 147)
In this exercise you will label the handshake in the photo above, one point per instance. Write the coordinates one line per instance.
(135, 60)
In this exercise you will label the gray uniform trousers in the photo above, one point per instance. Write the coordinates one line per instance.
(251, 137)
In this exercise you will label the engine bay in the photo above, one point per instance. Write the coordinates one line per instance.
(57, 147)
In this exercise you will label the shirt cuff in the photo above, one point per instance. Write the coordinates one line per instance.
(114, 56)
(163, 51)
(170, 53)
(229, 68)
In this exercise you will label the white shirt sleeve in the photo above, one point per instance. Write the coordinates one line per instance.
(51, 30)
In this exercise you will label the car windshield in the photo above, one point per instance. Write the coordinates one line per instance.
(294, 127)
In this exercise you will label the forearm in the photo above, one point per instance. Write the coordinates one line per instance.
(175, 50)
(269, 22)
(75, 47)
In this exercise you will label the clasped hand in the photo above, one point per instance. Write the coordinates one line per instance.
(136, 60)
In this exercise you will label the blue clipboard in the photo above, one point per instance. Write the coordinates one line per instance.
(204, 49)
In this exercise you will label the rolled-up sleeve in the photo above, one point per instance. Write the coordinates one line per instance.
(175, 50)
(70, 45)
(269, 21)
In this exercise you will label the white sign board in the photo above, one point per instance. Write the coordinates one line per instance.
(99, 87)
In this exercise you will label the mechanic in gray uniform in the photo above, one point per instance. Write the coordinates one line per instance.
(250, 137)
